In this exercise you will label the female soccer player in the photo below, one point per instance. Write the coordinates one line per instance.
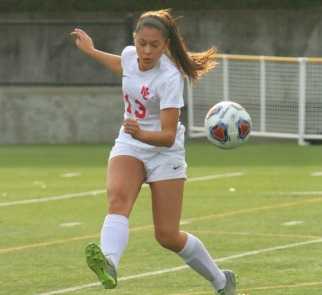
(150, 146)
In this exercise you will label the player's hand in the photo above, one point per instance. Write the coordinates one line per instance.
(82, 40)
(132, 127)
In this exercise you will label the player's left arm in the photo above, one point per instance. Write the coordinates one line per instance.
(169, 120)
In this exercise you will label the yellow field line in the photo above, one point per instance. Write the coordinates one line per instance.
(257, 234)
(264, 288)
(45, 244)
(212, 216)
(301, 285)
(63, 241)
(251, 210)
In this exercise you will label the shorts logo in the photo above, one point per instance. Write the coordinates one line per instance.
(176, 167)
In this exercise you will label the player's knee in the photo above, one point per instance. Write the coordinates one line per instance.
(167, 239)
(119, 201)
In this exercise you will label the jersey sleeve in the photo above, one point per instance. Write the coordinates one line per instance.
(171, 92)
(126, 55)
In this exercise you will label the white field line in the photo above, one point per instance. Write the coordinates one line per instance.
(99, 192)
(70, 174)
(307, 193)
(53, 198)
(70, 224)
(293, 222)
(175, 269)
(318, 173)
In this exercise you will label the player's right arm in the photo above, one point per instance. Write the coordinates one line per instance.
(85, 43)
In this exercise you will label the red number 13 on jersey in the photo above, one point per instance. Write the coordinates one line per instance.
(139, 108)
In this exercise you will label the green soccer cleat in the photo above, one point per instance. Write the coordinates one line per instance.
(230, 287)
(101, 266)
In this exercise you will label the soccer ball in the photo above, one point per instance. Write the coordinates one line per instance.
(227, 124)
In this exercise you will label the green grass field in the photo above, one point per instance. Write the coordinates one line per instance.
(260, 214)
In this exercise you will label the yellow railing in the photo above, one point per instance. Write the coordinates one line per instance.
(269, 58)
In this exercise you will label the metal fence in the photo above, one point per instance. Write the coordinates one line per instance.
(282, 94)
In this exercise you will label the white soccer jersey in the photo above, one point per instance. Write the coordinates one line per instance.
(145, 93)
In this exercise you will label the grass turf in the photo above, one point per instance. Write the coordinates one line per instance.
(232, 215)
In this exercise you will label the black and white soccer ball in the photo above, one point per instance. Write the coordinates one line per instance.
(228, 125)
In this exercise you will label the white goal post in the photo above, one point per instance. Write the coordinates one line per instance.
(283, 95)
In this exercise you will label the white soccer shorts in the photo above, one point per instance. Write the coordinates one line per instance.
(159, 165)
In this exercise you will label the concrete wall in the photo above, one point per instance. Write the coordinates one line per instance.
(259, 32)
(59, 114)
(37, 50)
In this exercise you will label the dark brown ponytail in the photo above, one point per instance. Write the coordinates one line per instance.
(192, 64)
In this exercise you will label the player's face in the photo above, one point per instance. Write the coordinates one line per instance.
(150, 45)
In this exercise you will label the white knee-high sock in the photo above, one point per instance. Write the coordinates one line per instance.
(114, 237)
(197, 257)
